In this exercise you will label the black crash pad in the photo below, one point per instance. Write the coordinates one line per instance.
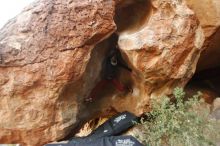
(106, 134)
(112, 127)
(105, 141)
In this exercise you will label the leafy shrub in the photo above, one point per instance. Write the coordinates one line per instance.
(179, 123)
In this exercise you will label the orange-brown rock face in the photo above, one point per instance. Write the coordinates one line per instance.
(51, 57)
(44, 52)
(163, 50)
(208, 13)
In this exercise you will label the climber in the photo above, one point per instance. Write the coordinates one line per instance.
(111, 65)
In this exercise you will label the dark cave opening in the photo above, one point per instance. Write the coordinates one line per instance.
(207, 76)
(206, 81)
(131, 15)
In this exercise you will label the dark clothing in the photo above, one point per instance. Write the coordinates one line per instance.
(112, 64)
(111, 67)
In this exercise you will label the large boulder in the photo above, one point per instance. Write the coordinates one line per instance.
(208, 13)
(48, 65)
(51, 58)
(207, 78)
(163, 50)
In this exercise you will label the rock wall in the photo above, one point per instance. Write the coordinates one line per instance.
(51, 57)
(208, 13)
(45, 52)
(207, 78)
(164, 50)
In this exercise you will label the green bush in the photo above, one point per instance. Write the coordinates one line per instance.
(179, 123)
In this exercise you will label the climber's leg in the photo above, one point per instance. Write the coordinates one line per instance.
(99, 86)
(119, 86)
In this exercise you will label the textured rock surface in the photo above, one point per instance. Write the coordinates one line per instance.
(52, 53)
(216, 109)
(45, 51)
(208, 13)
(164, 50)
(216, 104)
